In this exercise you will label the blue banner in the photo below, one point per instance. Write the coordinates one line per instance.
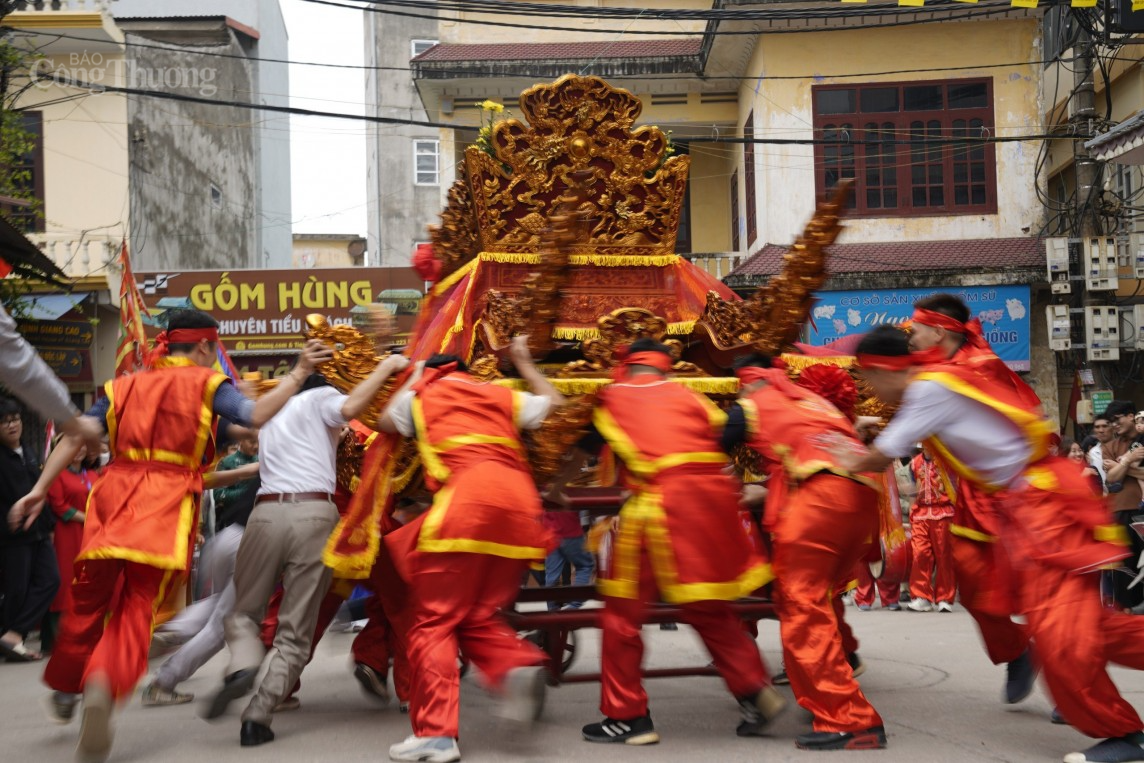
(1002, 310)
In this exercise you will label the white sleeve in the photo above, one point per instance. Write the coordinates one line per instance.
(927, 408)
(401, 413)
(329, 403)
(533, 411)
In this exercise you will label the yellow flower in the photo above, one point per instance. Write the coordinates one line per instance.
(492, 106)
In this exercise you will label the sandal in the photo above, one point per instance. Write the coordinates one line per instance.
(19, 652)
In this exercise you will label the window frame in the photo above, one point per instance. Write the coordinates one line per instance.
(413, 52)
(417, 143)
(857, 152)
(750, 200)
(30, 218)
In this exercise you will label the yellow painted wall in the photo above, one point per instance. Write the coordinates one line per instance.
(453, 30)
(711, 168)
(783, 109)
(324, 253)
(85, 151)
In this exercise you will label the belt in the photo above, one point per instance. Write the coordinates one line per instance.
(292, 497)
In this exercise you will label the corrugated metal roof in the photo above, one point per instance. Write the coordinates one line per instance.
(891, 256)
(562, 51)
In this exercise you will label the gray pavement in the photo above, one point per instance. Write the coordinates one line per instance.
(926, 674)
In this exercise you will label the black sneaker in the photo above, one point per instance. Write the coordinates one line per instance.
(782, 679)
(611, 731)
(1021, 676)
(871, 739)
(1125, 749)
(759, 710)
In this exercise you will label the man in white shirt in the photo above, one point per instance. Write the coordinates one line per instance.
(1050, 520)
(1104, 433)
(293, 516)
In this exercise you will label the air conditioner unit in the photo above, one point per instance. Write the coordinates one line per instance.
(1102, 332)
(1060, 327)
(1057, 264)
(1101, 270)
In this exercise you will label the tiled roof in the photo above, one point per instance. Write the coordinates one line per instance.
(562, 51)
(891, 256)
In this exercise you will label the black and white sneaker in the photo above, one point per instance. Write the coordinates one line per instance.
(759, 710)
(636, 731)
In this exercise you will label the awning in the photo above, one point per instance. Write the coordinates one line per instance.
(47, 307)
(1123, 144)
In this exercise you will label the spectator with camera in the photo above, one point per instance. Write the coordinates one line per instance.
(1122, 467)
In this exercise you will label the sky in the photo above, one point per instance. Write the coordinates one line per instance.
(327, 156)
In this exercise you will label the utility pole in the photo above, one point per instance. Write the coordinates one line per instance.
(1083, 117)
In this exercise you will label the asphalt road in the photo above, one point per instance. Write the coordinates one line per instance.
(927, 675)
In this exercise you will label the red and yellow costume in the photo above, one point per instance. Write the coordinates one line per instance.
(679, 535)
(1059, 530)
(982, 568)
(824, 520)
(67, 496)
(141, 516)
(932, 575)
(471, 547)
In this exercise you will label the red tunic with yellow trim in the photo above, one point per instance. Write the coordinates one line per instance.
(486, 501)
(793, 444)
(684, 511)
(144, 507)
(1050, 511)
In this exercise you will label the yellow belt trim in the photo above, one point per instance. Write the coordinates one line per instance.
(430, 540)
(970, 534)
(460, 441)
(156, 454)
(1111, 534)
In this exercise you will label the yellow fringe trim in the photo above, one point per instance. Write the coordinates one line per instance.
(799, 363)
(452, 278)
(680, 328)
(599, 260)
(707, 385)
(401, 481)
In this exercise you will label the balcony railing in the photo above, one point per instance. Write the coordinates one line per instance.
(718, 264)
(68, 6)
(77, 257)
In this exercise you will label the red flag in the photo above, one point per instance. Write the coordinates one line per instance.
(131, 354)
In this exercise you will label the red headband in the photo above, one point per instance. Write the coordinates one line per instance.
(656, 360)
(181, 336)
(887, 362)
(937, 320)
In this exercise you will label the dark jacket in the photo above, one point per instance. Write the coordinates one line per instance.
(17, 476)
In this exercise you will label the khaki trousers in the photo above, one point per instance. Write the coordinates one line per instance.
(283, 541)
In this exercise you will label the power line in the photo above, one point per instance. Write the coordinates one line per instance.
(982, 10)
(163, 95)
(491, 73)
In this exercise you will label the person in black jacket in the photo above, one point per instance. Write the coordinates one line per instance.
(27, 557)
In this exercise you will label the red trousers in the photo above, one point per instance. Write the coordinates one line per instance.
(384, 636)
(849, 640)
(931, 577)
(99, 638)
(987, 586)
(736, 656)
(827, 525)
(1075, 639)
(889, 590)
(455, 598)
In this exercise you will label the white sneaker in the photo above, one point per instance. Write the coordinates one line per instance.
(920, 605)
(426, 750)
(524, 690)
(944, 606)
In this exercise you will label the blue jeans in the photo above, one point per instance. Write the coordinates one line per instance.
(570, 551)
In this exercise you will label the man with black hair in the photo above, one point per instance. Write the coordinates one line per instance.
(294, 514)
(1102, 433)
(1122, 457)
(142, 514)
(986, 434)
(473, 544)
(28, 571)
(824, 522)
(679, 538)
(941, 331)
